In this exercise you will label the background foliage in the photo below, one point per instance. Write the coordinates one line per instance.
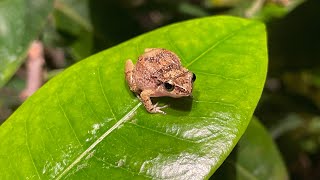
(289, 107)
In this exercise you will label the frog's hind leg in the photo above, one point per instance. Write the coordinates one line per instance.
(129, 69)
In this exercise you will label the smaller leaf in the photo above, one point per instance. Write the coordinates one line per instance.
(20, 23)
(255, 157)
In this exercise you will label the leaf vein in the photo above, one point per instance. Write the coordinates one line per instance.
(164, 133)
(216, 44)
(49, 130)
(68, 120)
(89, 104)
(216, 102)
(11, 166)
(125, 169)
(104, 94)
(28, 147)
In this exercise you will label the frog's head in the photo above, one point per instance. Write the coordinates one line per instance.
(178, 86)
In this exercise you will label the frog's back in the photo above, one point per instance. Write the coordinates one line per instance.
(156, 66)
(157, 61)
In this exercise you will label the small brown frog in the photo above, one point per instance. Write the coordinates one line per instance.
(157, 73)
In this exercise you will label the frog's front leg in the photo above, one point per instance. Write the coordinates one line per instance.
(145, 98)
(129, 68)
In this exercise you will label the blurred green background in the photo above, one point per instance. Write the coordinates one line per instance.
(289, 106)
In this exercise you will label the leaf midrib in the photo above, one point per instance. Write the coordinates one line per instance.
(94, 144)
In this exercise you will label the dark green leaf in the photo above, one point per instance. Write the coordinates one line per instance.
(20, 23)
(255, 157)
(264, 11)
(85, 122)
(271, 10)
(72, 18)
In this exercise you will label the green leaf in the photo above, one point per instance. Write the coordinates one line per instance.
(20, 23)
(271, 10)
(72, 18)
(85, 122)
(261, 10)
(255, 157)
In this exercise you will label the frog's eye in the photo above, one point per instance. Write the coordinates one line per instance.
(193, 77)
(169, 87)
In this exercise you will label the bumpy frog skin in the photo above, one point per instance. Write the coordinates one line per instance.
(158, 72)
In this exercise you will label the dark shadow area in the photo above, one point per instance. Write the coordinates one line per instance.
(294, 62)
(179, 104)
(116, 21)
(294, 46)
(112, 23)
(294, 41)
(273, 106)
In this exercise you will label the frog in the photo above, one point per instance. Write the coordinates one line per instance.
(158, 73)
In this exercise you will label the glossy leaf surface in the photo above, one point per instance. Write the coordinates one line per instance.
(20, 23)
(85, 123)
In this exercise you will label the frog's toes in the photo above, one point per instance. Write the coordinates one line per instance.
(157, 109)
